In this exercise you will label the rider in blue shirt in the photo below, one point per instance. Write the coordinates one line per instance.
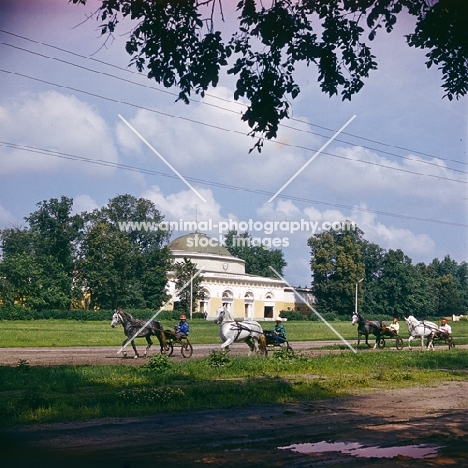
(182, 329)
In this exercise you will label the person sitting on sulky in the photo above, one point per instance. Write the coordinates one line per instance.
(182, 329)
(394, 327)
(445, 328)
(279, 332)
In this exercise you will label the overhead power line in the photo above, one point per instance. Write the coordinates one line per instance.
(126, 70)
(166, 114)
(126, 167)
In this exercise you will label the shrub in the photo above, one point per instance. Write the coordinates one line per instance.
(290, 315)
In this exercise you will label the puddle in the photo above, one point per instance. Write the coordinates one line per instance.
(357, 450)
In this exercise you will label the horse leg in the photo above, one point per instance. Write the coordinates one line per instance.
(226, 344)
(150, 343)
(410, 339)
(161, 336)
(377, 342)
(124, 353)
(367, 339)
(251, 345)
(134, 349)
(430, 342)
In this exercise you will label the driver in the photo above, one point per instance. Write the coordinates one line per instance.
(395, 326)
(279, 332)
(445, 328)
(182, 329)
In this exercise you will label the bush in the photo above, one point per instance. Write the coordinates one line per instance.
(291, 315)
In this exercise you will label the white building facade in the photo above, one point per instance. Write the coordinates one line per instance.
(225, 282)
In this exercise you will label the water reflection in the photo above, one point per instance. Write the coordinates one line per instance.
(357, 450)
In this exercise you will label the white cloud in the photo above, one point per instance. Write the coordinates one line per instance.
(391, 237)
(57, 122)
(7, 218)
(83, 203)
(185, 206)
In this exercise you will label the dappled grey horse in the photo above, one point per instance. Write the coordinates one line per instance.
(144, 329)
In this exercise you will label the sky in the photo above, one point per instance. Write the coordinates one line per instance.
(77, 121)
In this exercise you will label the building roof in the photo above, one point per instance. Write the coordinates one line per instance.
(199, 243)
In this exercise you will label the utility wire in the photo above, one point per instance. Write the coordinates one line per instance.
(100, 162)
(439, 177)
(126, 70)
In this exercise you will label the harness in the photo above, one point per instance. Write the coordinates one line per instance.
(240, 328)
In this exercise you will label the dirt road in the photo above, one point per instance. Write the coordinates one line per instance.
(432, 419)
(109, 354)
(426, 418)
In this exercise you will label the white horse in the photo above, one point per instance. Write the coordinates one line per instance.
(420, 329)
(231, 331)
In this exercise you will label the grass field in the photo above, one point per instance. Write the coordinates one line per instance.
(62, 333)
(66, 393)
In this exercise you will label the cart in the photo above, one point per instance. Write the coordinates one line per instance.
(444, 338)
(186, 348)
(390, 334)
(276, 343)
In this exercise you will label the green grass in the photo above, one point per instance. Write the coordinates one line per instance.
(62, 333)
(66, 393)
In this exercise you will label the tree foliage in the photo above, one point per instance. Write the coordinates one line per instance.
(178, 44)
(189, 284)
(392, 284)
(337, 266)
(37, 270)
(61, 259)
(122, 268)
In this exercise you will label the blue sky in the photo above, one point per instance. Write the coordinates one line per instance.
(399, 169)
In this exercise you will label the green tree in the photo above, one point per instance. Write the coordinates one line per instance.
(48, 250)
(56, 231)
(177, 42)
(185, 275)
(124, 265)
(258, 258)
(372, 257)
(449, 300)
(337, 265)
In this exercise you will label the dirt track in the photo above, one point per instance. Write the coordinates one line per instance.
(254, 436)
(109, 354)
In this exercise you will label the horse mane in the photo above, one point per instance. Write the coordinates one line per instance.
(125, 315)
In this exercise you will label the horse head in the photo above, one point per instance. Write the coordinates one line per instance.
(411, 321)
(116, 318)
(223, 315)
(356, 318)
(220, 314)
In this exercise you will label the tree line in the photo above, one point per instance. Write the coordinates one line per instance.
(62, 260)
(387, 282)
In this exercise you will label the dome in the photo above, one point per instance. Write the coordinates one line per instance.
(200, 243)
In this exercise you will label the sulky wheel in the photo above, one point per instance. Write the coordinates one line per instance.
(381, 344)
(167, 349)
(186, 350)
(399, 342)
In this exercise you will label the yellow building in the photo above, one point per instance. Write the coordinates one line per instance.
(226, 283)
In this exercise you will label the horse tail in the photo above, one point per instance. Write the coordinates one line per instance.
(262, 343)
(158, 330)
(162, 335)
